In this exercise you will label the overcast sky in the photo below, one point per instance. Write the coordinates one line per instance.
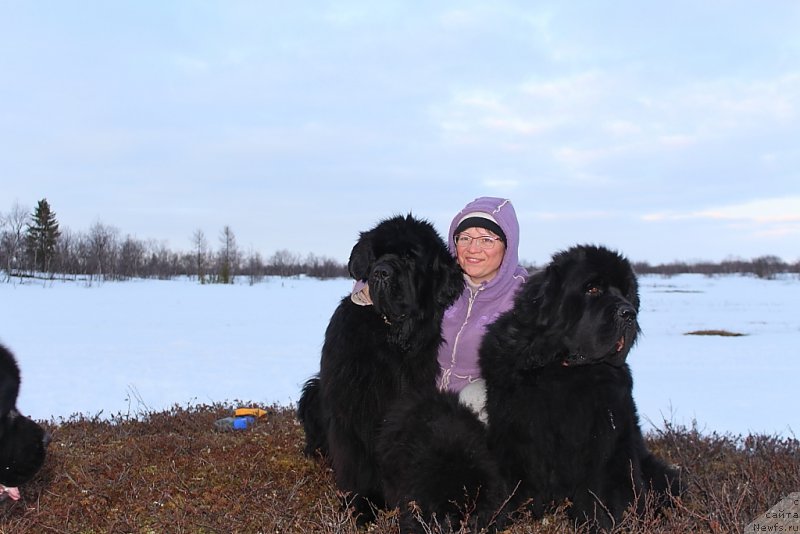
(667, 130)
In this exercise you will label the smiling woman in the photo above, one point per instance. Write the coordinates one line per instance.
(484, 238)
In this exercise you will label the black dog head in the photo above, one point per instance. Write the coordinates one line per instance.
(23, 443)
(593, 295)
(580, 309)
(410, 273)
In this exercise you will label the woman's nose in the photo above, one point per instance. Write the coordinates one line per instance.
(474, 246)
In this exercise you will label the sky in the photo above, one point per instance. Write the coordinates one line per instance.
(666, 130)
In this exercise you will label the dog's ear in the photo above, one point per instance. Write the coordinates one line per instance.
(361, 257)
(449, 279)
(633, 290)
(535, 309)
(546, 298)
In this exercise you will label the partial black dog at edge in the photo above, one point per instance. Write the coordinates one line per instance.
(23, 443)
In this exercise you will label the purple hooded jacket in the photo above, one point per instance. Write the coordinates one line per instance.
(465, 321)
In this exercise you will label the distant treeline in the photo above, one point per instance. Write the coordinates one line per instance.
(32, 243)
(762, 267)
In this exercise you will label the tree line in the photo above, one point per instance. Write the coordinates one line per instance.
(33, 243)
(762, 267)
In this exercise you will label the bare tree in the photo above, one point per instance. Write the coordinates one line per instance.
(768, 266)
(284, 263)
(322, 267)
(255, 267)
(83, 256)
(200, 245)
(228, 256)
(163, 263)
(102, 241)
(131, 259)
(12, 239)
(68, 259)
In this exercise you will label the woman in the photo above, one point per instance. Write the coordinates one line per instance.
(484, 237)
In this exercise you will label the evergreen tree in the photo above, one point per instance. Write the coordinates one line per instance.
(42, 236)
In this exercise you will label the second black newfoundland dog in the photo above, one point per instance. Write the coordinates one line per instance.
(23, 443)
(562, 421)
(374, 354)
(562, 424)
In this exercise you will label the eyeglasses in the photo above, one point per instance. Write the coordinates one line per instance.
(485, 242)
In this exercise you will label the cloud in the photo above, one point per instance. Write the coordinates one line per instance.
(596, 114)
(769, 210)
(770, 218)
(501, 185)
(622, 128)
(458, 19)
(728, 107)
(515, 115)
(578, 89)
(515, 125)
(785, 209)
(190, 65)
(573, 215)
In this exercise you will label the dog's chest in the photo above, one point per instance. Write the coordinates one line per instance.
(577, 405)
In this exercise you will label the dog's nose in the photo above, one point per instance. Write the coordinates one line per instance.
(46, 439)
(626, 312)
(382, 272)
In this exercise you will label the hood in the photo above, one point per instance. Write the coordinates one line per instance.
(503, 212)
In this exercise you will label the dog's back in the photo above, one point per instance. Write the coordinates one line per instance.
(313, 419)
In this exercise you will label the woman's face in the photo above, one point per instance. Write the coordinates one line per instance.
(480, 264)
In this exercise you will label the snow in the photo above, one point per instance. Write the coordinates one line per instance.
(103, 349)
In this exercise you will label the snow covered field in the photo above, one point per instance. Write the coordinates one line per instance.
(128, 347)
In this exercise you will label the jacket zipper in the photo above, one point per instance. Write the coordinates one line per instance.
(472, 295)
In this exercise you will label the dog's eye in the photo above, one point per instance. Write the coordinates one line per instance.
(593, 290)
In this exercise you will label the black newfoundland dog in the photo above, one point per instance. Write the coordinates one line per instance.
(23, 443)
(562, 422)
(374, 354)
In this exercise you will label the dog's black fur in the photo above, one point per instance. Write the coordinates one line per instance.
(373, 355)
(433, 451)
(562, 420)
(23, 443)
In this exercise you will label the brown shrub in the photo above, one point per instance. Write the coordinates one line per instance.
(173, 472)
(723, 333)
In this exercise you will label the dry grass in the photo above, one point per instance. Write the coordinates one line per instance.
(172, 472)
